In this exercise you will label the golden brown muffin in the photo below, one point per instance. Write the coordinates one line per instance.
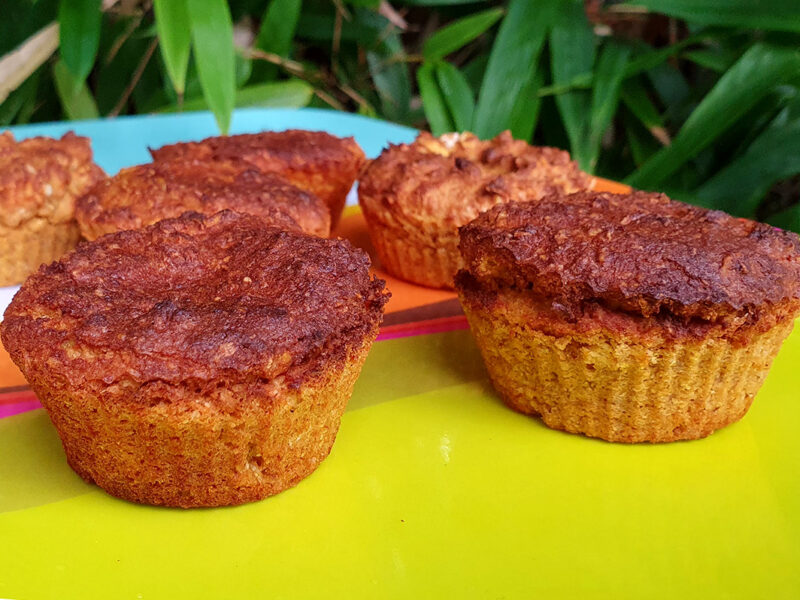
(414, 197)
(628, 317)
(144, 194)
(315, 161)
(40, 178)
(200, 361)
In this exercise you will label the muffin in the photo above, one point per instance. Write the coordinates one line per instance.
(415, 196)
(631, 318)
(199, 361)
(144, 194)
(314, 161)
(40, 179)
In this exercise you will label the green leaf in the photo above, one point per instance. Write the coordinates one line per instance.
(572, 52)
(780, 15)
(717, 59)
(459, 33)
(525, 114)
(389, 72)
(516, 47)
(320, 28)
(581, 81)
(672, 90)
(774, 155)
(244, 68)
(474, 70)
(642, 145)
(121, 54)
(457, 94)
(212, 38)
(175, 39)
(75, 97)
(787, 219)
(292, 93)
(275, 36)
(440, 2)
(20, 102)
(609, 73)
(79, 34)
(635, 97)
(367, 3)
(754, 75)
(432, 101)
(648, 59)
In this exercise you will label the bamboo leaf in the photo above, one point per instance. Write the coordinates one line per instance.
(212, 39)
(754, 75)
(75, 97)
(457, 94)
(516, 47)
(175, 39)
(293, 93)
(672, 90)
(525, 114)
(432, 101)
(642, 145)
(275, 35)
(779, 15)
(20, 102)
(609, 74)
(774, 155)
(79, 35)
(391, 78)
(717, 59)
(787, 219)
(441, 2)
(474, 70)
(459, 33)
(572, 51)
(639, 103)
(640, 63)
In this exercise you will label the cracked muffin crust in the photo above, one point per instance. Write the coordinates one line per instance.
(315, 161)
(200, 361)
(141, 195)
(415, 196)
(40, 179)
(628, 317)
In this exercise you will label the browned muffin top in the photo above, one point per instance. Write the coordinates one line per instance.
(448, 181)
(195, 298)
(41, 177)
(272, 151)
(144, 194)
(641, 253)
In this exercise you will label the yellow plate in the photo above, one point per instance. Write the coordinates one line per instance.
(434, 489)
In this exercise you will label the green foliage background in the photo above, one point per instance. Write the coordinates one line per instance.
(707, 108)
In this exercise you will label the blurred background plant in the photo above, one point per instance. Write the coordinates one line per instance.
(696, 98)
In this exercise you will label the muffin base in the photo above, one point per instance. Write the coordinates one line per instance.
(428, 265)
(620, 388)
(37, 241)
(175, 445)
